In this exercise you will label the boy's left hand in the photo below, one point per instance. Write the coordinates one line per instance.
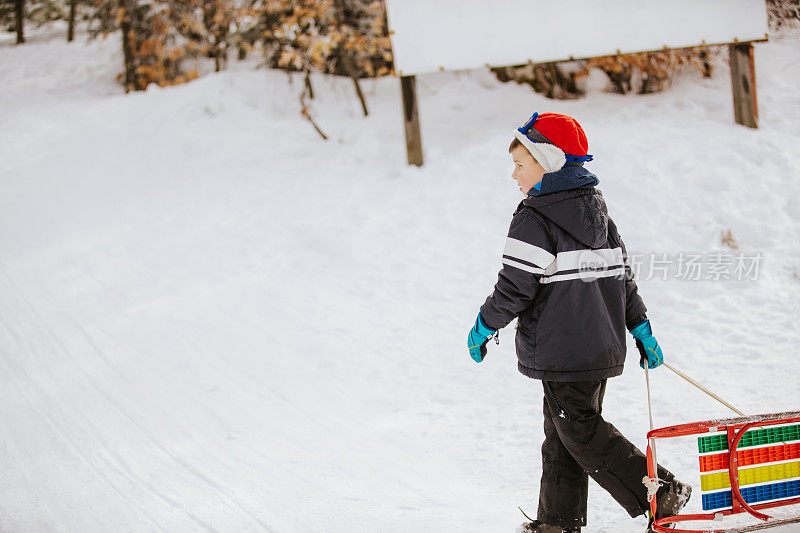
(647, 345)
(478, 336)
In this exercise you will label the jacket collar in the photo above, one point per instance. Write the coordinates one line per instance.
(580, 212)
(569, 177)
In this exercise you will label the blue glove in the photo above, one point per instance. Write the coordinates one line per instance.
(479, 335)
(647, 345)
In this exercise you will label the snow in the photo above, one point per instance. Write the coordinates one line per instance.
(211, 319)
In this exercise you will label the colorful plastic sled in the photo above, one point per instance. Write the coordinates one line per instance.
(747, 464)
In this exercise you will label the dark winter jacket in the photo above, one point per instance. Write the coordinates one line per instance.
(565, 276)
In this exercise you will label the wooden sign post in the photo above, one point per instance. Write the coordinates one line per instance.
(743, 83)
(408, 88)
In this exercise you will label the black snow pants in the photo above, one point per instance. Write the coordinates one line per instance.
(579, 443)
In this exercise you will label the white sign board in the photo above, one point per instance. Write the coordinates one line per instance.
(429, 35)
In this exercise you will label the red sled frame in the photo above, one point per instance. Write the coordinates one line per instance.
(735, 428)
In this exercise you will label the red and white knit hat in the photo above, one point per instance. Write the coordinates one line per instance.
(554, 140)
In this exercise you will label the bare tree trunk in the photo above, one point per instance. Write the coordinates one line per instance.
(351, 70)
(125, 26)
(208, 21)
(219, 32)
(360, 96)
(19, 12)
(222, 52)
(209, 10)
(707, 67)
(544, 78)
(621, 80)
(305, 112)
(346, 58)
(307, 81)
(71, 28)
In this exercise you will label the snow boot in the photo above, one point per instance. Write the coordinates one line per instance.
(539, 527)
(671, 498)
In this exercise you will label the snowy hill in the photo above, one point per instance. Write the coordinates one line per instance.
(211, 319)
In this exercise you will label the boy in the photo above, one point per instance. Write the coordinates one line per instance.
(565, 279)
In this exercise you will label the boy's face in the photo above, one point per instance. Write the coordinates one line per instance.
(527, 171)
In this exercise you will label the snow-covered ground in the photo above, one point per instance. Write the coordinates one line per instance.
(211, 319)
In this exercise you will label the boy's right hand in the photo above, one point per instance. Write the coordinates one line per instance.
(478, 336)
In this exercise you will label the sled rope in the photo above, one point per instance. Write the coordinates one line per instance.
(696, 384)
(651, 483)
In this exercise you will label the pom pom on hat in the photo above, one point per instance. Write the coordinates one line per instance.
(554, 140)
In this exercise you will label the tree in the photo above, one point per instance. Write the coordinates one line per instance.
(363, 47)
(549, 79)
(19, 13)
(12, 17)
(643, 72)
(345, 37)
(154, 43)
(41, 12)
(321, 35)
(651, 72)
(783, 13)
(73, 8)
(218, 16)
